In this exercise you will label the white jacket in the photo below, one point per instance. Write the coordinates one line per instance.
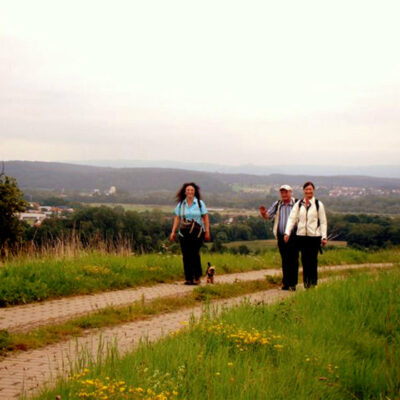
(307, 220)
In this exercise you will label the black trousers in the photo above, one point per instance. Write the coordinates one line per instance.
(290, 260)
(309, 248)
(191, 256)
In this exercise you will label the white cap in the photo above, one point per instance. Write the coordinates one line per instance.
(285, 187)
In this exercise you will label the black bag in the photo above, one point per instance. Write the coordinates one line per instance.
(189, 228)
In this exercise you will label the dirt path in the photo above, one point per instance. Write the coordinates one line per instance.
(25, 373)
(30, 316)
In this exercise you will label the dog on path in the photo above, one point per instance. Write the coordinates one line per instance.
(210, 273)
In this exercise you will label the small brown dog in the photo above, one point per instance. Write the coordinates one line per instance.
(210, 273)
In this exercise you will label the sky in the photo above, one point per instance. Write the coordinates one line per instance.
(230, 82)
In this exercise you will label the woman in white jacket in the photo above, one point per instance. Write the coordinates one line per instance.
(309, 216)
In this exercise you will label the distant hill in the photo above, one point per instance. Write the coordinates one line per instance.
(383, 171)
(52, 175)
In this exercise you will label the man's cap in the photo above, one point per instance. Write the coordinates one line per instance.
(285, 187)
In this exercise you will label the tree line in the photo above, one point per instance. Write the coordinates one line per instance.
(148, 231)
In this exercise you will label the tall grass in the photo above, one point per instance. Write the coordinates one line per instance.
(338, 341)
(26, 279)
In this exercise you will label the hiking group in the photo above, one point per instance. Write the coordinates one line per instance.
(300, 227)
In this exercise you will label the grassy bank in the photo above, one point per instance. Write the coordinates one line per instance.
(24, 280)
(339, 341)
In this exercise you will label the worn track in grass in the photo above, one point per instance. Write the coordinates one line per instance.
(27, 317)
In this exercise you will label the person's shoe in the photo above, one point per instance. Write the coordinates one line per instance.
(292, 288)
(285, 288)
(188, 283)
(196, 282)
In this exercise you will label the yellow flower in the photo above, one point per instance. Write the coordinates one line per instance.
(230, 364)
(218, 373)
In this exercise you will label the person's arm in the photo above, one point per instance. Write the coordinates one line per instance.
(263, 212)
(270, 213)
(207, 235)
(206, 220)
(292, 220)
(175, 225)
(323, 224)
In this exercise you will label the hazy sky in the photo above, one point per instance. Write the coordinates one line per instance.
(263, 82)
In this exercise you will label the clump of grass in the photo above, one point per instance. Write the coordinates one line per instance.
(338, 341)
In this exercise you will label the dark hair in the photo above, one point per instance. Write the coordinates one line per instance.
(309, 183)
(180, 194)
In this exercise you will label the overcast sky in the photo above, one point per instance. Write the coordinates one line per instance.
(232, 82)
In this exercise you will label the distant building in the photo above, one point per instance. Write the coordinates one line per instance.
(111, 191)
(32, 218)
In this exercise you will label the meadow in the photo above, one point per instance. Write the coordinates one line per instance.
(261, 245)
(338, 341)
(28, 279)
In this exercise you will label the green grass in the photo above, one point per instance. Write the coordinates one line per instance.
(24, 280)
(338, 341)
(111, 316)
(262, 245)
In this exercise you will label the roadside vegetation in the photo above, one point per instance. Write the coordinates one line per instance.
(338, 341)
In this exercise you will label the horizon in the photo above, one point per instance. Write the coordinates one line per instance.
(386, 171)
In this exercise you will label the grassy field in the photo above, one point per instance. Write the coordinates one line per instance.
(261, 245)
(338, 341)
(168, 209)
(25, 280)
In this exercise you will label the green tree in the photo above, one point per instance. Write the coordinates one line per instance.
(11, 203)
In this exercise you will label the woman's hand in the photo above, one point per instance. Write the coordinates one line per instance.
(207, 236)
(324, 242)
(286, 238)
(172, 237)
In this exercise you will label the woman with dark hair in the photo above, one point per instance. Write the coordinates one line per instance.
(191, 216)
(309, 216)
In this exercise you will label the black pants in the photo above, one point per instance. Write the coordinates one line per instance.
(309, 248)
(191, 256)
(290, 260)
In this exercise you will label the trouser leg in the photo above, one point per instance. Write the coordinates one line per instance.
(197, 270)
(283, 252)
(309, 247)
(191, 257)
(290, 261)
(186, 256)
(293, 261)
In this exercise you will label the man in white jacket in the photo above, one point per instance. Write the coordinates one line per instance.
(309, 216)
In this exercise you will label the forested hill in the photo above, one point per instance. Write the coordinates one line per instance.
(52, 175)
